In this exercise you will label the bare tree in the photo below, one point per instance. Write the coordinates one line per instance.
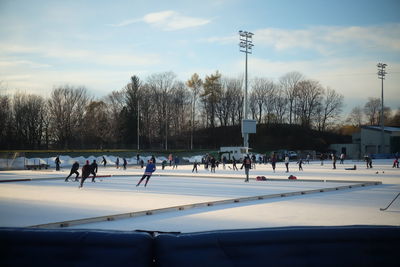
(308, 99)
(115, 102)
(163, 83)
(289, 84)
(211, 95)
(280, 105)
(195, 84)
(331, 107)
(356, 117)
(372, 109)
(97, 124)
(67, 107)
(5, 120)
(28, 119)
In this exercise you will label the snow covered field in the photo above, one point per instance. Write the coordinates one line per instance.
(48, 199)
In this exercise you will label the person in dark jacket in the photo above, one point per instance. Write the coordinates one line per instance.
(86, 169)
(104, 161)
(213, 164)
(74, 169)
(125, 163)
(273, 161)
(93, 169)
(247, 166)
(195, 164)
(150, 168)
(57, 162)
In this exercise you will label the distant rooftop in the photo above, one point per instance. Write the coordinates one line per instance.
(386, 128)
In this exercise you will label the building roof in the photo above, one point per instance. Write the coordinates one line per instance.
(385, 128)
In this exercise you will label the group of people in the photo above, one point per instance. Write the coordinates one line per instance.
(87, 170)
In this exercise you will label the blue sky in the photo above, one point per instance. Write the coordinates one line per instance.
(101, 44)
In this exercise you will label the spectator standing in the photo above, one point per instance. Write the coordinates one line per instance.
(213, 164)
(170, 158)
(57, 162)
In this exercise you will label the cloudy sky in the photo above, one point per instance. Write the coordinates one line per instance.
(100, 44)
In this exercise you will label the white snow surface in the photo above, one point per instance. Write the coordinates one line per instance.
(48, 199)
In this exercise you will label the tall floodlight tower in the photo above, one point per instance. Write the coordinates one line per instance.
(246, 45)
(381, 75)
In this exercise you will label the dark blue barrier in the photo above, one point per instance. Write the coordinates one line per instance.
(57, 248)
(299, 246)
(305, 246)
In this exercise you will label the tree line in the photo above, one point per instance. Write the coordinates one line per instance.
(162, 112)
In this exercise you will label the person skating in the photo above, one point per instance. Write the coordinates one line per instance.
(308, 158)
(287, 163)
(195, 166)
(342, 156)
(176, 163)
(247, 166)
(74, 169)
(300, 162)
(234, 167)
(117, 163)
(273, 161)
(150, 168)
(86, 169)
(125, 163)
(104, 162)
(395, 163)
(368, 160)
(334, 158)
(93, 169)
(253, 161)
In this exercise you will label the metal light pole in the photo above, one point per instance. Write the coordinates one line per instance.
(138, 121)
(381, 75)
(246, 45)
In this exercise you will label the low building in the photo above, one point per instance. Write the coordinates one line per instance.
(369, 142)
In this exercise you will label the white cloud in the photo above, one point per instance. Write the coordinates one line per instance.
(324, 38)
(28, 63)
(117, 58)
(167, 20)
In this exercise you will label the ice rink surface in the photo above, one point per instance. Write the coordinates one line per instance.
(46, 198)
